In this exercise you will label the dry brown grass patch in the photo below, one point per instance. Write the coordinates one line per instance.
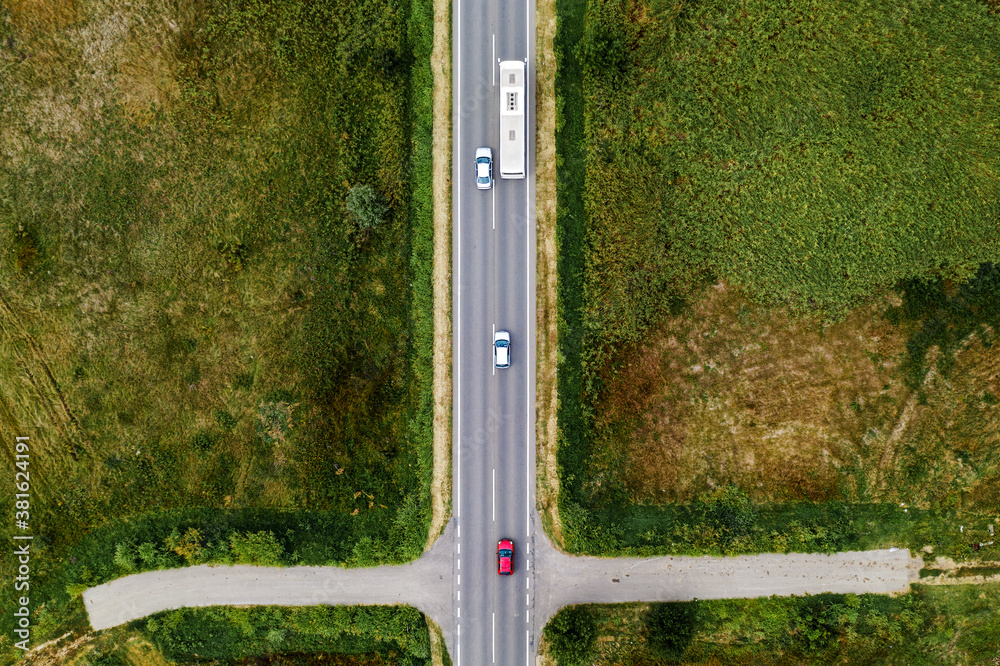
(42, 16)
(735, 393)
(441, 147)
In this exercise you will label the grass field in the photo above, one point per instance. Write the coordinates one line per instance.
(792, 409)
(190, 314)
(788, 296)
(929, 625)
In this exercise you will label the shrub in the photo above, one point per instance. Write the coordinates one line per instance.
(367, 206)
(671, 628)
(572, 632)
(260, 548)
(731, 511)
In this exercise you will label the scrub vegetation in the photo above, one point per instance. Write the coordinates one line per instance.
(224, 633)
(929, 625)
(779, 295)
(195, 315)
(341, 635)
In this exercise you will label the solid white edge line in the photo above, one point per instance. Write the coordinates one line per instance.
(457, 253)
(527, 647)
(528, 301)
(457, 223)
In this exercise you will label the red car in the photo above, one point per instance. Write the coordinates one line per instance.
(505, 557)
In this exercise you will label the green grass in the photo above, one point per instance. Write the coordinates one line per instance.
(929, 625)
(343, 635)
(570, 238)
(727, 523)
(192, 321)
(399, 633)
(811, 156)
(811, 153)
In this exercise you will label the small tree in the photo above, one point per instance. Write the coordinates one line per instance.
(572, 632)
(259, 548)
(189, 546)
(671, 628)
(367, 206)
(731, 511)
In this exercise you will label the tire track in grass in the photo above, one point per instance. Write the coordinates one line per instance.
(43, 382)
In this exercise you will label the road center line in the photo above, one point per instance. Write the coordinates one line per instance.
(494, 494)
(494, 640)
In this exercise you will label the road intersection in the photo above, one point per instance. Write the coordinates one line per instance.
(485, 618)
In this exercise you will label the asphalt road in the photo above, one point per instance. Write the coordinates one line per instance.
(494, 269)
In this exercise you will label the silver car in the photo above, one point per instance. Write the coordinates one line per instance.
(501, 349)
(484, 168)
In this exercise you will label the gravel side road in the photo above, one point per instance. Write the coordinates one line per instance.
(559, 580)
(425, 584)
(564, 579)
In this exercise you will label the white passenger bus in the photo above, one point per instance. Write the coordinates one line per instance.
(513, 102)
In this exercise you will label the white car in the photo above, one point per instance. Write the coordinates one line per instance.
(484, 168)
(501, 349)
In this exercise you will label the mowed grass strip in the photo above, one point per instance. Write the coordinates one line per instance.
(191, 315)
